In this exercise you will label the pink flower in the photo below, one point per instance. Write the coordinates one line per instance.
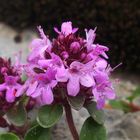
(70, 62)
(78, 74)
(90, 37)
(56, 64)
(39, 46)
(94, 49)
(11, 86)
(66, 29)
(41, 85)
(103, 92)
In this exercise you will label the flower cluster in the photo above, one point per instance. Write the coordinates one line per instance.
(68, 61)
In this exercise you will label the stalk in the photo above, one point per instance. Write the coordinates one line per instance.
(70, 121)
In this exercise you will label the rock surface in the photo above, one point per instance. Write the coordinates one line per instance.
(119, 126)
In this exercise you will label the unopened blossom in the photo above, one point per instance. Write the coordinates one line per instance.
(74, 47)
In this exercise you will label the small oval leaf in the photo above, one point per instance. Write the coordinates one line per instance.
(8, 136)
(76, 102)
(48, 115)
(96, 114)
(38, 133)
(17, 115)
(91, 130)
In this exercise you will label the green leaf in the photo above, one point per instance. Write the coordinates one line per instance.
(91, 130)
(135, 94)
(96, 114)
(119, 104)
(8, 136)
(49, 115)
(76, 102)
(38, 133)
(17, 115)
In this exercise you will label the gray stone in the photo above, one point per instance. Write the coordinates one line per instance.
(8, 47)
(117, 135)
(131, 125)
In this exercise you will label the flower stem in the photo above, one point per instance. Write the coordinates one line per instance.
(71, 122)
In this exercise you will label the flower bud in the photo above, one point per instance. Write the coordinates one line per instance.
(4, 70)
(64, 54)
(83, 56)
(74, 47)
(61, 37)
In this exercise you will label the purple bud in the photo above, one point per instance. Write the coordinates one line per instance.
(4, 70)
(74, 47)
(61, 37)
(64, 54)
(83, 56)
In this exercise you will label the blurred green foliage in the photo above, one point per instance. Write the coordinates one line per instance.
(117, 21)
(128, 104)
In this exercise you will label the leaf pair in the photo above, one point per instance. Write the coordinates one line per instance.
(47, 117)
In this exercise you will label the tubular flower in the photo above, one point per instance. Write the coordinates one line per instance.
(39, 46)
(41, 86)
(11, 86)
(10, 81)
(66, 29)
(70, 62)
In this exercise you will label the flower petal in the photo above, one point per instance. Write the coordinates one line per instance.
(100, 103)
(101, 64)
(32, 88)
(2, 87)
(87, 80)
(10, 96)
(95, 93)
(101, 77)
(20, 91)
(73, 85)
(36, 43)
(110, 94)
(45, 63)
(36, 93)
(90, 36)
(47, 95)
(61, 75)
(66, 28)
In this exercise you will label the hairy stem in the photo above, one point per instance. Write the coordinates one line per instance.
(71, 122)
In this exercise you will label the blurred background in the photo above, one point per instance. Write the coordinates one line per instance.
(117, 21)
(118, 27)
